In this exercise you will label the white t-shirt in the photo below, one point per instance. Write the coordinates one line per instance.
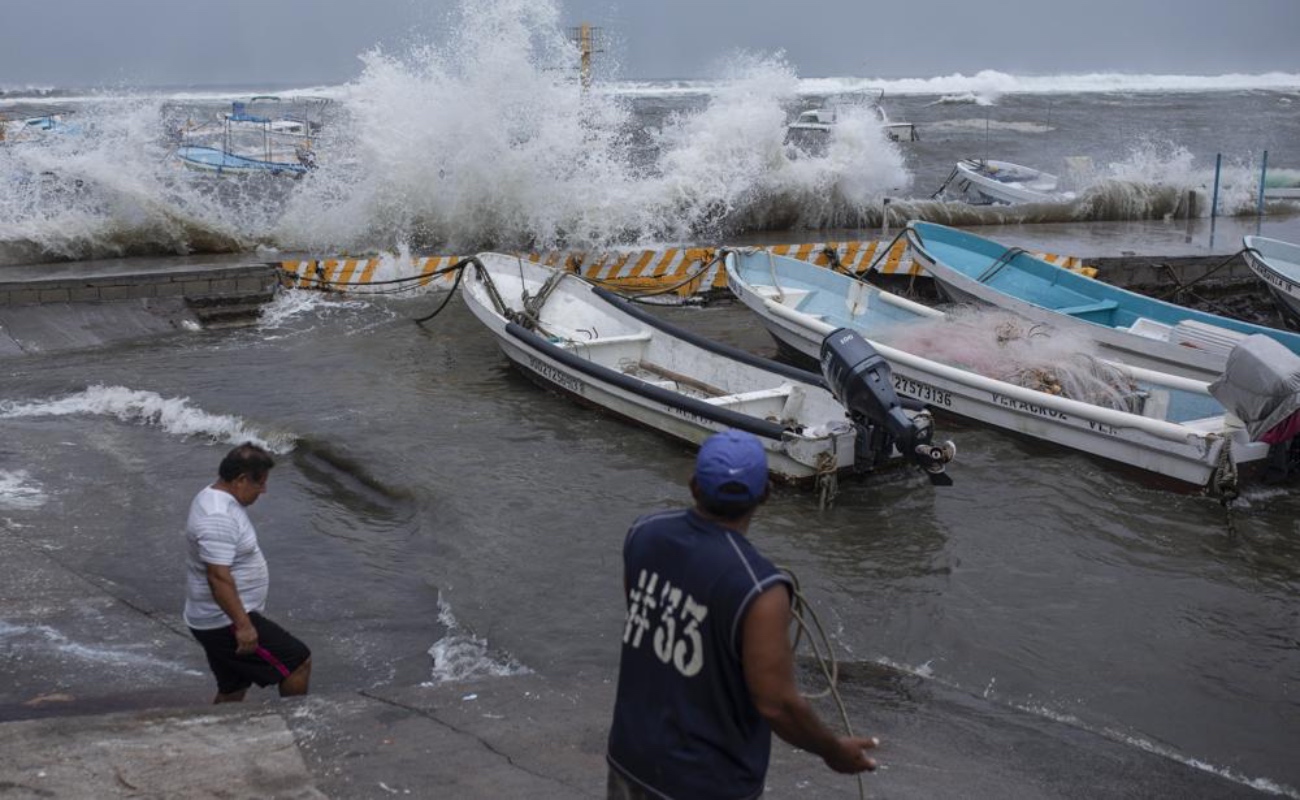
(219, 532)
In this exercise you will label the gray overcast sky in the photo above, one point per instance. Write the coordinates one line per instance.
(311, 42)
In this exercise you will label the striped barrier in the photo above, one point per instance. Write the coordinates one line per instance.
(683, 271)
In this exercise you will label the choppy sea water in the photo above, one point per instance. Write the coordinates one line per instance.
(435, 516)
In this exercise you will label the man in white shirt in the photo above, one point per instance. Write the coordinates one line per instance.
(227, 582)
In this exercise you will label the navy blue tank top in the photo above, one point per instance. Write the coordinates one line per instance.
(684, 724)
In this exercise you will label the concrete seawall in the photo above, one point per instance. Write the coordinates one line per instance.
(52, 307)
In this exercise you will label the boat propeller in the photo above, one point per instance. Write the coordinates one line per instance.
(861, 380)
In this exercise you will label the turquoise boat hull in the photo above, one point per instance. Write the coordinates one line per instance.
(212, 159)
(1133, 328)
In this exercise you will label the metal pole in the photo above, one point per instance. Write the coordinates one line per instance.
(1214, 199)
(584, 34)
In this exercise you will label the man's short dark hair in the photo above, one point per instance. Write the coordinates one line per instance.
(729, 510)
(246, 459)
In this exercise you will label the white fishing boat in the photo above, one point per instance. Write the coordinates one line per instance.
(1011, 376)
(1277, 263)
(1130, 327)
(811, 129)
(587, 343)
(989, 181)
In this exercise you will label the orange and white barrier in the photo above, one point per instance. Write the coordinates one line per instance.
(682, 270)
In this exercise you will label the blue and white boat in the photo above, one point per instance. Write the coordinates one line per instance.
(1033, 383)
(17, 130)
(585, 342)
(1277, 263)
(1130, 327)
(250, 144)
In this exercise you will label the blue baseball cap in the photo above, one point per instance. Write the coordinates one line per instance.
(731, 467)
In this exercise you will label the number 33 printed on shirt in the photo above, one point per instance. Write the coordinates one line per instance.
(682, 648)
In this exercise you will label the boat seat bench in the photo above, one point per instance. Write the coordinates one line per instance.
(612, 349)
(1088, 308)
(772, 403)
(793, 298)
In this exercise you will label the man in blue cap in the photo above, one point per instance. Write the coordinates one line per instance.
(707, 670)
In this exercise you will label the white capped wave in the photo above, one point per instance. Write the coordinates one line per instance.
(991, 84)
(981, 124)
(953, 88)
(964, 99)
(19, 492)
(460, 655)
(986, 86)
(293, 303)
(174, 415)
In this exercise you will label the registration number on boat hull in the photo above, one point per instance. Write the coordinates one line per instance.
(922, 391)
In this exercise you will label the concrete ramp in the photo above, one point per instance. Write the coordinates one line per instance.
(154, 754)
(55, 307)
(55, 327)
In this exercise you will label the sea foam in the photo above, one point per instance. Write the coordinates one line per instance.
(19, 492)
(461, 655)
(174, 415)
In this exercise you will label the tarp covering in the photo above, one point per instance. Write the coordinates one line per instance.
(1260, 384)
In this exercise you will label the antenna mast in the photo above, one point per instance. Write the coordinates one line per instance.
(587, 39)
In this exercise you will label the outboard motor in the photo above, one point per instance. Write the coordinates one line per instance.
(1261, 386)
(861, 380)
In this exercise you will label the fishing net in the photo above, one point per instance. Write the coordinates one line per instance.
(1005, 347)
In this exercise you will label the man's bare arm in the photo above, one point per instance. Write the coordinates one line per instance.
(226, 594)
(769, 670)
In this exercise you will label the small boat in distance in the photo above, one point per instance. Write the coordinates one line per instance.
(1277, 263)
(587, 343)
(35, 126)
(1131, 328)
(220, 162)
(1023, 378)
(250, 143)
(988, 181)
(812, 128)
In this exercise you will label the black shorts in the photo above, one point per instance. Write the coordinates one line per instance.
(277, 655)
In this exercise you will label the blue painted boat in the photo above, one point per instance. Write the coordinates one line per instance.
(35, 129)
(1130, 327)
(970, 365)
(251, 144)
